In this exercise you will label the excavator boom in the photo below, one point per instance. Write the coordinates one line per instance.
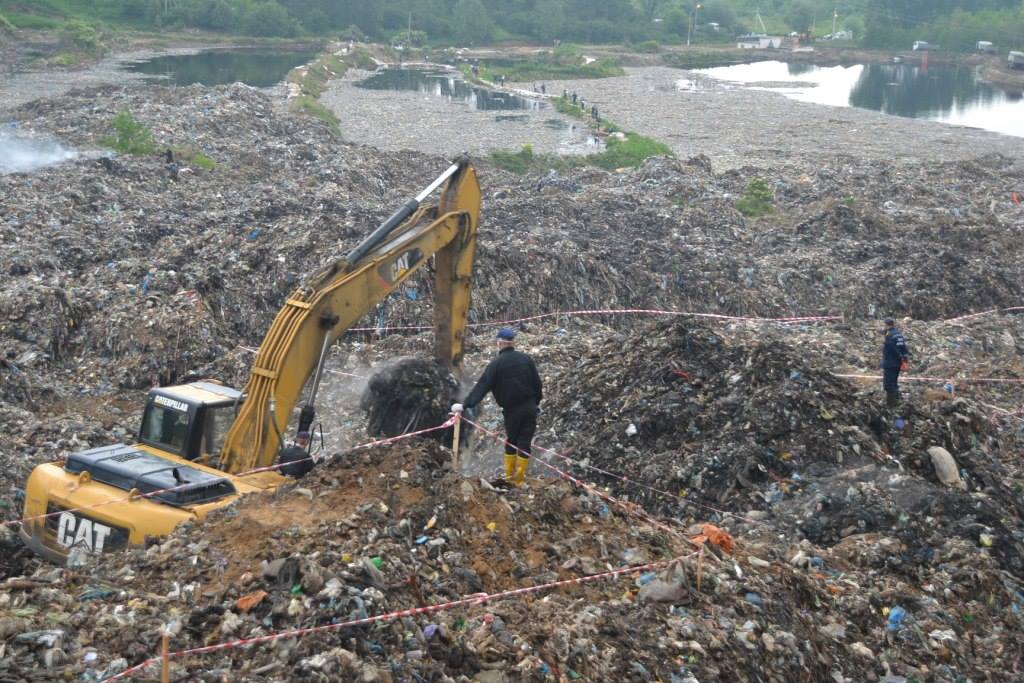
(335, 298)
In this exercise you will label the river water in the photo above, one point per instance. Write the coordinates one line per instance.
(950, 94)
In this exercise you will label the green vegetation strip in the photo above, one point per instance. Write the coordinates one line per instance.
(707, 59)
(312, 80)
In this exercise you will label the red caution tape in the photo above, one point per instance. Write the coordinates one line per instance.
(627, 480)
(618, 311)
(469, 601)
(953, 380)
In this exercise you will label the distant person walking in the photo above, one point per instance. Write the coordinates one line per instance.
(593, 113)
(513, 379)
(895, 357)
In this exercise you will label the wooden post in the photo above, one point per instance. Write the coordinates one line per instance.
(455, 443)
(165, 662)
(700, 567)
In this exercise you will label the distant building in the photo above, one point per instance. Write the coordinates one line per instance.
(838, 35)
(758, 41)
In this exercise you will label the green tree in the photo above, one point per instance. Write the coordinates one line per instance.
(267, 19)
(130, 136)
(800, 15)
(720, 12)
(472, 23)
(676, 21)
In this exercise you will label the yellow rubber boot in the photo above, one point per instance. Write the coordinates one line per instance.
(522, 464)
(510, 465)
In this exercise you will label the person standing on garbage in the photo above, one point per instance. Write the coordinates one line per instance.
(513, 379)
(895, 357)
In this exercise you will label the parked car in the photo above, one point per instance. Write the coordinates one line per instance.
(921, 46)
(984, 47)
(1015, 60)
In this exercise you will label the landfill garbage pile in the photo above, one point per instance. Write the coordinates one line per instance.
(391, 528)
(904, 558)
(410, 395)
(750, 427)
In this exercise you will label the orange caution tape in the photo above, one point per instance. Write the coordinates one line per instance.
(717, 537)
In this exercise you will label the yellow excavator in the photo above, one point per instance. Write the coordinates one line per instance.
(195, 439)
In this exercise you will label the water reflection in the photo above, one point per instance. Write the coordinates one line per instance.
(911, 91)
(450, 86)
(951, 94)
(258, 68)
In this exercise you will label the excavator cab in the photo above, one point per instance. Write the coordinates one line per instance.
(190, 420)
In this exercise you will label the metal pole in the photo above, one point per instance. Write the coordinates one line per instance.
(320, 367)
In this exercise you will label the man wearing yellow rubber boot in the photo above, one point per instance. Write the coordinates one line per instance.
(513, 379)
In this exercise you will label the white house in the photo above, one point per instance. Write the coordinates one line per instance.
(758, 41)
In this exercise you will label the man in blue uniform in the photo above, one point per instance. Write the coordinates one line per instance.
(895, 357)
(513, 379)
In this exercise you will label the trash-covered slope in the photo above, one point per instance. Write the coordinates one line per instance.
(389, 529)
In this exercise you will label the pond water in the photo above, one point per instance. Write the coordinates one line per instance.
(259, 68)
(950, 94)
(449, 85)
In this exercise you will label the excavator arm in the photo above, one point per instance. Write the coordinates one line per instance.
(317, 313)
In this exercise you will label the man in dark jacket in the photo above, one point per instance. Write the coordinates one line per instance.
(513, 379)
(895, 357)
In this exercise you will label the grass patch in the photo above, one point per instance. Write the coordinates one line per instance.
(539, 70)
(516, 162)
(564, 105)
(757, 199)
(525, 160)
(130, 136)
(619, 153)
(629, 152)
(33, 21)
(361, 59)
(313, 79)
(5, 25)
(194, 157)
(705, 59)
(565, 61)
(305, 104)
(646, 47)
(65, 59)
